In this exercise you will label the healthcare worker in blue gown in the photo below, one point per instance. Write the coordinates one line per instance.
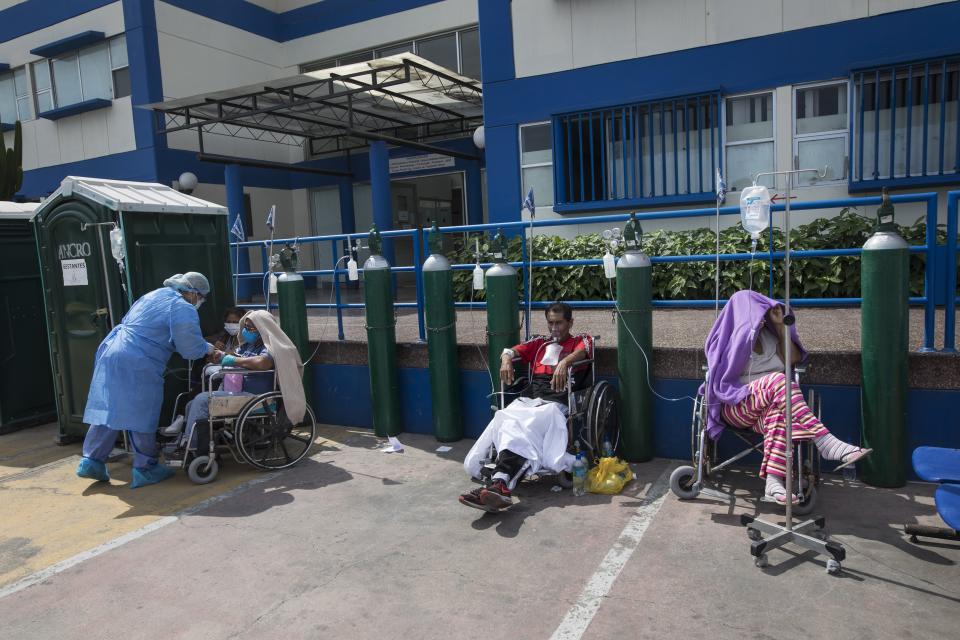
(127, 387)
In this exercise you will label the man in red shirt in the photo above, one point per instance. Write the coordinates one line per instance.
(552, 359)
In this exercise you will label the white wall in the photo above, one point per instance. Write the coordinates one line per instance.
(557, 35)
(81, 137)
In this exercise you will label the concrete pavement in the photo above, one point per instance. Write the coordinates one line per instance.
(355, 543)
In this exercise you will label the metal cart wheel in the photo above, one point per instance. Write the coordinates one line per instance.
(268, 439)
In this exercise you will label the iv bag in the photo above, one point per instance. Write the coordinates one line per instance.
(117, 246)
(609, 266)
(755, 209)
(477, 278)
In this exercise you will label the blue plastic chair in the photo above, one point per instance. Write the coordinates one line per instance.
(942, 465)
(937, 464)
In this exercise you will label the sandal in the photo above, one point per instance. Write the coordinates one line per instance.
(853, 457)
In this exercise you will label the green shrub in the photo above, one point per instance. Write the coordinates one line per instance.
(831, 277)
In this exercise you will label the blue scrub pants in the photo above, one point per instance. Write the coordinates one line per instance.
(100, 441)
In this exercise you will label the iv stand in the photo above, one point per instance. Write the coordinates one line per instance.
(780, 535)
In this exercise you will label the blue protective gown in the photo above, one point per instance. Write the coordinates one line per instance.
(126, 392)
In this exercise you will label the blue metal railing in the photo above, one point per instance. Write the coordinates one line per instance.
(931, 279)
(950, 320)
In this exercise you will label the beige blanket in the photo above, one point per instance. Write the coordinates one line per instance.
(286, 362)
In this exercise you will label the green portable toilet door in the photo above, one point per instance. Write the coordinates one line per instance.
(79, 318)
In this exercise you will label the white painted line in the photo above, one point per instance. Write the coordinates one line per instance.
(83, 556)
(581, 614)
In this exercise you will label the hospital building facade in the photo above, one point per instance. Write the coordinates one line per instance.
(598, 106)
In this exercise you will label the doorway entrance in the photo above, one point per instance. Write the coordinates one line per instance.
(418, 202)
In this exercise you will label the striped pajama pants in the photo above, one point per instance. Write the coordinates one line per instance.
(764, 411)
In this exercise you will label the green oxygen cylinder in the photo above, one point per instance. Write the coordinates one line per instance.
(293, 311)
(503, 312)
(634, 327)
(441, 321)
(884, 329)
(381, 340)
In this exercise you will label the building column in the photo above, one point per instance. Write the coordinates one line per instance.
(380, 191)
(233, 183)
(474, 193)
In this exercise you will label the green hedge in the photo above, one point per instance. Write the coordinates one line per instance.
(833, 277)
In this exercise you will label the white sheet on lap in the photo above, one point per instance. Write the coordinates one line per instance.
(533, 428)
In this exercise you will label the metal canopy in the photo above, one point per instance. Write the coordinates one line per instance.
(402, 99)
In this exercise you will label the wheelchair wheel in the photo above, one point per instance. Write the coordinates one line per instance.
(200, 472)
(268, 439)
(603, 416)
(682, 483)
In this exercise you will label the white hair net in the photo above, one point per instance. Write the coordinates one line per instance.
(189, 281)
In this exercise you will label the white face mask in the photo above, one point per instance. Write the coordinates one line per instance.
(198, 303)
(233, 328)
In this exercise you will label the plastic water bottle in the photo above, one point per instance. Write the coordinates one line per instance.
(579, 475)
(755, 209)
(607, 448)
(849, 473)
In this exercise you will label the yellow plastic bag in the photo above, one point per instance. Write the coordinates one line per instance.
(609, 476)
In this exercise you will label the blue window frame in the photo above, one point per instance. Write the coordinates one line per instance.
(904, 124)
(650, 153)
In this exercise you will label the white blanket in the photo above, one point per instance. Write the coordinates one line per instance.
(533, 428)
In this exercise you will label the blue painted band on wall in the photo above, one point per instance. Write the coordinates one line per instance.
(496, 41)
(68, 44)
(296, 23)
(33, 15)
(73, 109)
(138, 165)
(143, 53)
(829, 51)
(341, 395)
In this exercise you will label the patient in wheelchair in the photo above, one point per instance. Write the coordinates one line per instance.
(747, 387)
(532, 430)
(250, 353)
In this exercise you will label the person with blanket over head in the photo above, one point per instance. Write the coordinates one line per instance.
(748, 390)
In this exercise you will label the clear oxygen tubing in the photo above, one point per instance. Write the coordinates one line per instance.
(526, 323)
(323, 327)
(646, 358)
(716, 275)
(473, 325)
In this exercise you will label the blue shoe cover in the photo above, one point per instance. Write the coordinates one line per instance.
(93, 469)
(150, 475)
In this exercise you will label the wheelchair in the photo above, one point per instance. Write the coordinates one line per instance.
(592, 417)
(689, 481)
(252, 429)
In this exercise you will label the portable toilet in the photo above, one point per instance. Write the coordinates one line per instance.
(103, 244)
(26, 385)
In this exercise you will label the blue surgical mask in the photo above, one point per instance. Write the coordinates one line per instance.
(249, 336)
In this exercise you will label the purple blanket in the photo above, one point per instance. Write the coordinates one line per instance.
(728, 351)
